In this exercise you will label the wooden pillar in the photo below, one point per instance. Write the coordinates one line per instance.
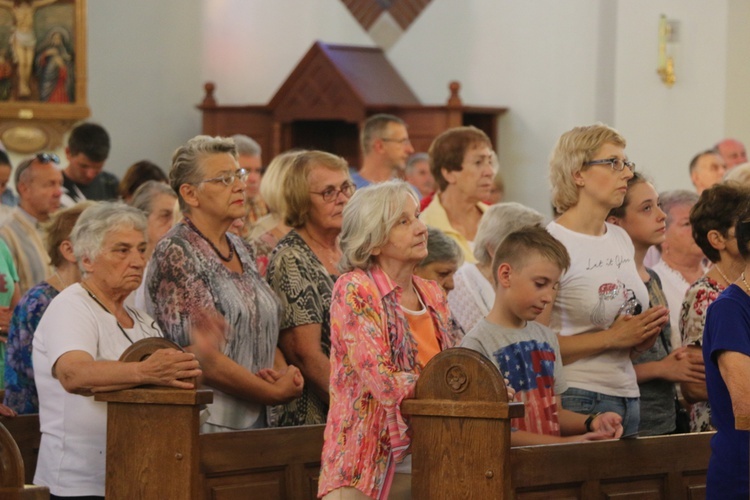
(152, 437)
(12, 472)
(460, 421)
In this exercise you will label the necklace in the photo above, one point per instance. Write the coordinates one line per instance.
(63, 284)
(724, 275)
(332, 256)
(747, 287)
(228, 258)
(101, 304)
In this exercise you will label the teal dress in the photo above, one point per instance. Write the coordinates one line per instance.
(8, 281)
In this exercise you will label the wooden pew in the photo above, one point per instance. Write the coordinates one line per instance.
(284, 463)
(13, 471)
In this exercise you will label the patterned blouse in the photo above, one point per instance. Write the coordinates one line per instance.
(304, 288)
(373, 368)
(187, 278)
(699, 296)
(20, 389)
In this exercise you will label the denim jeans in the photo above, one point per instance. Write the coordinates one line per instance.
(589, 402)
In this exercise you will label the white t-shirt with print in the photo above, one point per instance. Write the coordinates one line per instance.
(590, 296)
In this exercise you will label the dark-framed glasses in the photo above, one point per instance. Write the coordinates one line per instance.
(47, 158)
(330, 193)
(228, 178)
(617, 164)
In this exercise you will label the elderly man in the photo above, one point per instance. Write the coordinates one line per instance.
(385, 149)
(84, 178)
(39, 185)
(706, 169)
(732, 151)
(250, 159)
(418, 174)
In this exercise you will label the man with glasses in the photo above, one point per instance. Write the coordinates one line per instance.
(84, 178)
(385, 150)
(39, 184)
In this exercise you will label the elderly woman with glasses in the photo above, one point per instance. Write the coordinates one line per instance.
(386, 324)
(600, 296)
(303, 271)
(78, 343)
(463, 165)
(207, 294)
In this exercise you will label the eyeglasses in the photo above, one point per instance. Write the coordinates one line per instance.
(330, 193)
(617, 164)
(47, 157)
(402, 142)
(229, 178)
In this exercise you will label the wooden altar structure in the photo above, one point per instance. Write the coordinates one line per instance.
(328, 96)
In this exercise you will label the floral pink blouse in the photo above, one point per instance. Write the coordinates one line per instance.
(373, 368)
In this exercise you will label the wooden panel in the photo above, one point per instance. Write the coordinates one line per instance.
(263, 484)
(25, 431)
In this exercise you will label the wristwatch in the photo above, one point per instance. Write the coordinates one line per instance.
(590, 420)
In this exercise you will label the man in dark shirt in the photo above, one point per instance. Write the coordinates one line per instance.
(83, 178)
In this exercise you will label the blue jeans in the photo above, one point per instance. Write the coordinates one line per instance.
(589, 402)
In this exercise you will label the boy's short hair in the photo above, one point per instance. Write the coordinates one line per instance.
(90, 139)
(518, 245)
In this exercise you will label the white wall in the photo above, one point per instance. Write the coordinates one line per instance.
(666, 127)
(554, 64)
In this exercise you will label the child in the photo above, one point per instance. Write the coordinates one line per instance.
(662, 364)
(526, 268)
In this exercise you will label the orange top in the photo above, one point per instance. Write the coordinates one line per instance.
(423, 332)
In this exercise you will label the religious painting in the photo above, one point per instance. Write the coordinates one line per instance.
(42, 62)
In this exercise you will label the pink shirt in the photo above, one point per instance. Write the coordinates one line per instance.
(373, 368)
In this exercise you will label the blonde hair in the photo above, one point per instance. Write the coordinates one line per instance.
(573, 150)
(272, 183)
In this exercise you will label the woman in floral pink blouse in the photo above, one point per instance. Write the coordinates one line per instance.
(386, 324)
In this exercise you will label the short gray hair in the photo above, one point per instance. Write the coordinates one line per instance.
(675, 198)
(143, 198)
(414, 159)
(368, 219)
(441, 248)
(186, 168)
(498, 222)
(246, 146)
(97, 221)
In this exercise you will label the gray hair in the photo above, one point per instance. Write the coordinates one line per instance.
(740, 174)
(414, 159)
(675, 198)
(186, 168)
(441, 248)
(97, 221)
(374, 127)
(498, 222)
(143, 198)
(368, 219)
(246, 146)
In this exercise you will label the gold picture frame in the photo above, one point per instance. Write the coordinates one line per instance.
(43, 71)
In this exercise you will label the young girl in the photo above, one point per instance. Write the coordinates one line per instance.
(660, 366)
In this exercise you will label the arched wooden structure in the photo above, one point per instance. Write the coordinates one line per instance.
(460, 420)
(12, 472)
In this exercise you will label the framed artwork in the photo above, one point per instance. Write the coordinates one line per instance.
(42, 71)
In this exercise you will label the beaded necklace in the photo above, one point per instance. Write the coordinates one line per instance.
(228, 258)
